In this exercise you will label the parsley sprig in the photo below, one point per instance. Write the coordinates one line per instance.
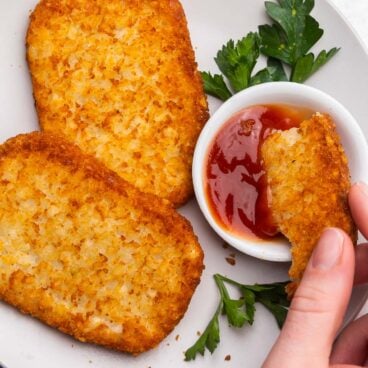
(236, 62)
(287, 40)
(240, 311)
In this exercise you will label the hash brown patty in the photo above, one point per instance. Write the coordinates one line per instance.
(119, 79)
(86, 252)
(308, 178)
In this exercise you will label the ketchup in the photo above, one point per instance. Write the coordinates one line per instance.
(236, 182)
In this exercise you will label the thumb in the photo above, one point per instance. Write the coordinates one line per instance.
(318, 307)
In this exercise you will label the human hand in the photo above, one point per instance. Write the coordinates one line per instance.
(352, 345)
(320, 302)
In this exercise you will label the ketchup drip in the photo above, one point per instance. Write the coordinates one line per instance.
(236, 181)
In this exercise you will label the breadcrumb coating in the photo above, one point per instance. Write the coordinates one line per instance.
(86, 252)
(119, 79)
(308, 177)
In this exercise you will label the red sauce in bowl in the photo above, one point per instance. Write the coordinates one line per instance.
(236, 186)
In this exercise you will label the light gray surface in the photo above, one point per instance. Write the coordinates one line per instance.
(356, 12)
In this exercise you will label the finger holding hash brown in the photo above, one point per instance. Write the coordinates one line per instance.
(119, 79)
(86, 252)
(308, 177)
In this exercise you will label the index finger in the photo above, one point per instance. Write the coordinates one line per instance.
(358, 202)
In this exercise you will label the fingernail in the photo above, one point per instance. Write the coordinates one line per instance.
(362, 187)
(329, 249)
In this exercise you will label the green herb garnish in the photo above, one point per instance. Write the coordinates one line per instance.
(215, 86)
(287, 40)
(273, 73)
(292, 35)
(240, 311)
(236, 61)
(307, 65)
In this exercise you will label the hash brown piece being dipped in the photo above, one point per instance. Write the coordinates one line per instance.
(86, 252)
(308, 177)
(119, 79)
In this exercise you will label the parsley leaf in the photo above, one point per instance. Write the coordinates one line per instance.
(291, 37)
(294, 32)
(278, 311)
(287, 40)
(307, 65)
(304, 6)
(214, 85)
(274, 298)
(250, 300)
(240, 311)
(209, 339)
(236, 61)
(273, 73)
(233, 308)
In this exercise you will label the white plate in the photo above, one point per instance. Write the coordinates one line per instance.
(25, 342)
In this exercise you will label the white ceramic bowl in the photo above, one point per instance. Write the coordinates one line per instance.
(351, 135)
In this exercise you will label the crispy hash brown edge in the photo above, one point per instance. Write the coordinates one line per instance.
(58, 150)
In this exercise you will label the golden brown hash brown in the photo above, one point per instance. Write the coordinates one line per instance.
(86, 252)
(308, 177)
(119, 79)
